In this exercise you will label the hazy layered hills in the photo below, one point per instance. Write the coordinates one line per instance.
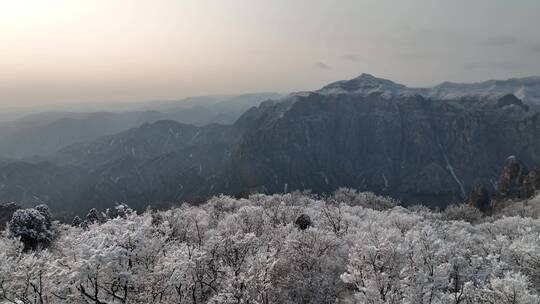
(42, 139)
(147, 142)
(161, 161)
(44, 133)
(367, 133)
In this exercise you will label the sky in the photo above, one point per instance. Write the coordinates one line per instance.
(80, 51)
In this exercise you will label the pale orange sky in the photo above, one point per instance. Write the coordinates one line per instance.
(63, 51)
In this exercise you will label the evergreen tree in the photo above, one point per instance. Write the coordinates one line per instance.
(31, 227)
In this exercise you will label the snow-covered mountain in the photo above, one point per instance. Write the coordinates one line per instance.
(366, 133)
(364, 84)
(527, 89)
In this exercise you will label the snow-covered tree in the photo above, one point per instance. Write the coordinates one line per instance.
(76, 222)
(93, 216)
(358, 248)
(32, 227)
(46, 212)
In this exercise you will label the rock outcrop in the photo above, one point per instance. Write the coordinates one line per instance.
(531, 184)
(479, 198)
(513, 174)
(516, 181)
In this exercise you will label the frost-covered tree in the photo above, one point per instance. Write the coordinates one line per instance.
(26, 278)
(76, 222)
(334, 218)
(463, 212)
(308, 268)
(250, 250)
(303, 222)
(93, 216)
(365, 199)
(46, 212)
(512, 288)
(32, 227)
(375, 265)
(120, 210)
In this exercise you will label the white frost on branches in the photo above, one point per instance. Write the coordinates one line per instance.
(359, 248)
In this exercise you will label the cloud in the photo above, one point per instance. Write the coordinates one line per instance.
(502, 65)
(350, 57)
(321, 65)
(501, 41)
(414, 56)
(535, 48)
(520, 45)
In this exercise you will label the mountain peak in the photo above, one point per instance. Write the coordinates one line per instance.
(364, 84)
(367, 76)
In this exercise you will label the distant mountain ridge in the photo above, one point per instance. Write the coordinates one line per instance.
(25, 140)
(526, 89)
(366, 133)
(45, 133)
(146, 142)
(157, 162)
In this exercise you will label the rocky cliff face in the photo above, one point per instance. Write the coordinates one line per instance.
(404, 145)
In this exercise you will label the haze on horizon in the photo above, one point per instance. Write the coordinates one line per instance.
(76, 51)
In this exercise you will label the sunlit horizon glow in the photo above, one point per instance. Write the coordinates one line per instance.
(73, 51)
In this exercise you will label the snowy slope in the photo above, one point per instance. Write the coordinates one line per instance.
(527, 89)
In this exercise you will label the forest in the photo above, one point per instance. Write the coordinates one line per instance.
(348, 247)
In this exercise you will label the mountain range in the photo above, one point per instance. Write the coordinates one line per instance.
(44, 133)
(421, 145)
(526, 89)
